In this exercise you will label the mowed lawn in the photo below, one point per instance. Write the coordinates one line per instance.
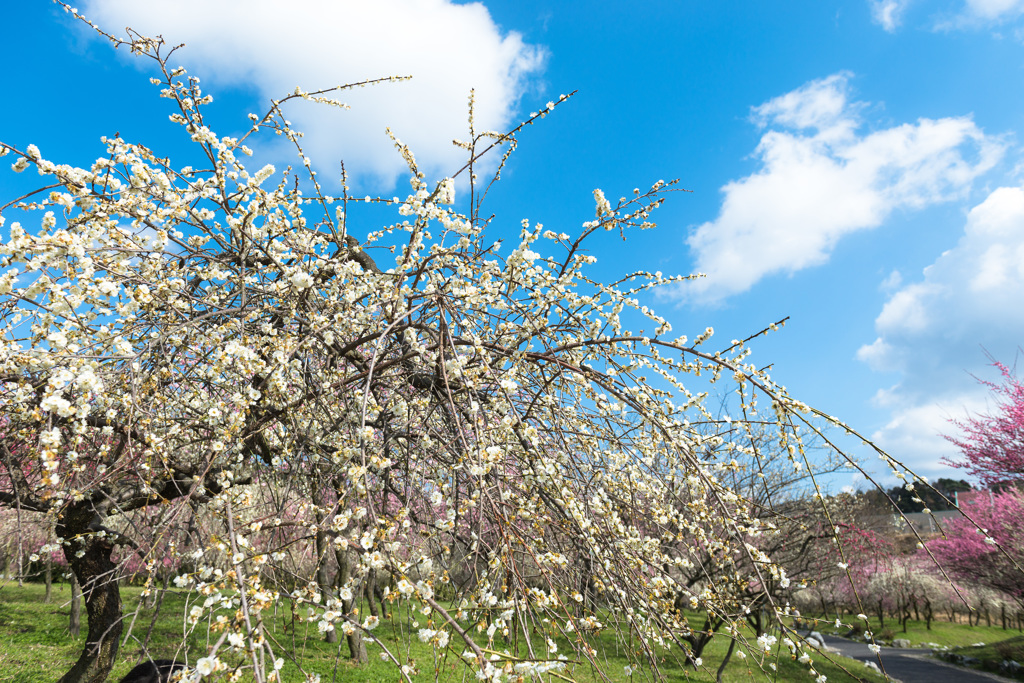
(942, 633)
(35, 647)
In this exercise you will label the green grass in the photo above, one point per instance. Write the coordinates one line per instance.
(991, 655)
(35, 647)
(942, 633)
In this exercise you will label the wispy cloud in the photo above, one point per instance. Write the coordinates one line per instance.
(822, 178)
(888, 13)
(993, 10)
(448, 48)
(935, 331)
(968, 14)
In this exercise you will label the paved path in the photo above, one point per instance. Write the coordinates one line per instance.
(912, 665)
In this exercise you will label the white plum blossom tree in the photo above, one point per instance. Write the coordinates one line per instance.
(476, 429)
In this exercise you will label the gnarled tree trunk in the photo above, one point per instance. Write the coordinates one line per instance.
(89, 557)
(356, 645)
(322, 579)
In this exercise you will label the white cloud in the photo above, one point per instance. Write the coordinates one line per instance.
(994, 10)
(891, 282)
(914, 437)
(935, 331)
(979, 14)
(822, 178)
(448, 48)
(820, 104)
(888, 13)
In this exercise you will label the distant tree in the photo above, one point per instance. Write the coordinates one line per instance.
(992, 445)
(921, 498)
(905, 500)
(948, 488)
(901, 499)
(951, 486)
(875, 501)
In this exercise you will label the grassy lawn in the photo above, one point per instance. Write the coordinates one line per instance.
(35, 647)
(991, 655)
(989, 645)
(942, 633)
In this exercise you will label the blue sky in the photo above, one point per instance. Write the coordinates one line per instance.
(853, 165)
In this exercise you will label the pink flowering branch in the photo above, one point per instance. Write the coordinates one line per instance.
(992, 446)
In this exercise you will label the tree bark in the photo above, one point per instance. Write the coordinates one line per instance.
(587, 588)
(48, 579)
(75, 620)
(89, 557)
(322, 579)
(371, 593)
(356, 645)
(725, 662)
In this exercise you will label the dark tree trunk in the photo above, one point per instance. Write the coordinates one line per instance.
(904, 612)
(323, 581)
(356, 645)
(156, 613)
(754, 619)
(89, 557)
(374, 593)
(587, 586)
(371, 593)
(75, 621)
(728, 654)
(48, 579)
(378, 590)
(700, 639)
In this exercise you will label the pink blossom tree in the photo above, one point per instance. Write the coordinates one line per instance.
(988, 551)
(992, 444)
